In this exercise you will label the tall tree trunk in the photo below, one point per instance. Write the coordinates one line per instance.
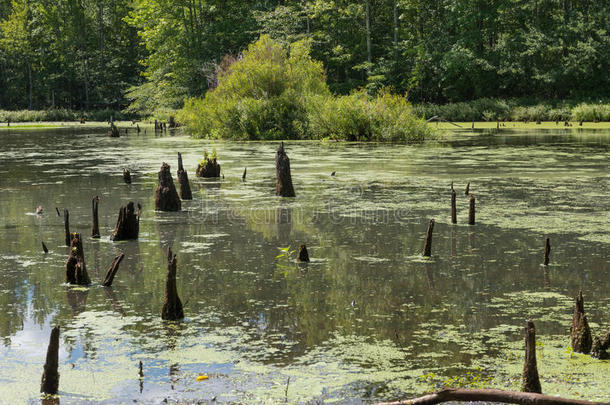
(369, 57)
(395, 29)
(31, 90)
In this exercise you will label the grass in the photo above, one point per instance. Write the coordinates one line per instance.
(17, 126)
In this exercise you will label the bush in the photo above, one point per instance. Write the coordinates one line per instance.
(591, 112)
(275, 94)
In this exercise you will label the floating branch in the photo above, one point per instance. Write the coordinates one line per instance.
(183, 180)
(471, 211)
(76, 271)
(283, 182)
(303, 255)
(487, 395)
(50, 375)
(67, 226)
(172, 306)
(166, 196)
(547, 251)
(428, 244)
(529, 379)
(128, 224)
(114, 267)
(580, 333)
(95, 227)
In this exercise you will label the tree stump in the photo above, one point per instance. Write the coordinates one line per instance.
(112, 270)
(428, 244)
(95, 226)
(128, 224)
(183, 180)
(126, 176)
(114, 131)
(471, 211)
(76, 270)
(67, 226)
(453, 207)
(283, 182)
(172, 306)
(530, 382)
(580, 334)
(600, 347)
(547, 251)
(303, 255)
(210, 169)
(50, 375)
(166, 196)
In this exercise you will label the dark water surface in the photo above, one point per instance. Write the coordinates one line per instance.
(254, 320)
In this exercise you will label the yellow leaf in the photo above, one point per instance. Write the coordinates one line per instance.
(202, 377)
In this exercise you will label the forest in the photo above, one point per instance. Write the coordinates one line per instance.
(148, 56)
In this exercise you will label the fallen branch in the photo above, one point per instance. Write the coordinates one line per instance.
(489, 395)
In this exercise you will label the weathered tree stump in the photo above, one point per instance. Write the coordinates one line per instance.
(166, 196)
(530, 382)
(114, 131)
(600, 347)
(547, 251)
(172, 306)
(44, 247)
(303, 254)
(76, 270)
(428, 244)
(283, 182)
(471, 211)
(467, 191)
(67, 226)
(128, 224)
(453, 207)
(209, 169)
(580, 333)
(183, 180)
(126, 176)
(50, 375)
(95, 226)
(112, 270)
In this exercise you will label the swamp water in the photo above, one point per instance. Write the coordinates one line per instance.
(266, 330)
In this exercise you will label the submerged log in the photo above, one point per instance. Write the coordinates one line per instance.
(303, 254)
(126, 176)
(114, 131)
(428, 244)
(128, 224)
(166, 196)
(95, 226)
(172, 306)
(489, 396)
(600, 347)
(530, 382)
(453, 208)
(112, 270)
(209, 169)
(183, 181)
(50, 375)
(471, 211)
(67, 226)
(580, 333)
(283, 181)
(76, 270)
(547, 251)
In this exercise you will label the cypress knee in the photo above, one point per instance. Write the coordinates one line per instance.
(453, 208)
(428, 244)
(283, 182)
(580, 333)
(530, 382)
(172, 306)
(303, 254)
(471, 211)
(547, 251)
(467, 191)
(128, 224)
(112, 270)
(166, 196)
(126, 176)
(76, 271)
(600, 347)
(183, 180)
(50, 375)
(95, 227)
(67, 226)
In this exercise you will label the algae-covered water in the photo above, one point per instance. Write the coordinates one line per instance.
(367, 320)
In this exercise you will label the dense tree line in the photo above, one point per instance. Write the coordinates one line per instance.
(152, 54)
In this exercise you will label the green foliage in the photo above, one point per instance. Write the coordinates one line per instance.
(61, 114)
(208, 157)
(273, 93)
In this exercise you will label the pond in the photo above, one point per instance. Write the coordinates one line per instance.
(367, 320)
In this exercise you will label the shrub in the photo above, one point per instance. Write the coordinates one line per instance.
(591, 112)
